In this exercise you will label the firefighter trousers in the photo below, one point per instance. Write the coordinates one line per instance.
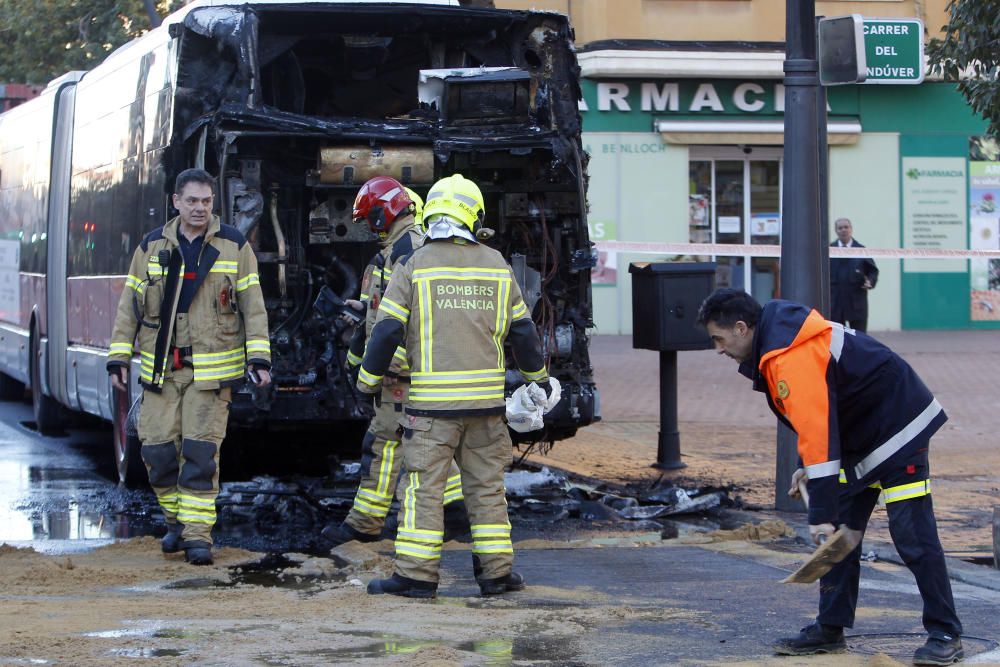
(914, 533)
(181, 429)
(482, 447)
(381, 460)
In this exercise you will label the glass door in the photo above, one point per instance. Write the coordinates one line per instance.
(735, 198)
(765, 225)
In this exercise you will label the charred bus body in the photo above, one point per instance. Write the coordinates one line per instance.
(294, 105)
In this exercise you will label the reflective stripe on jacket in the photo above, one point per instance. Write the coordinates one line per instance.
(227, 318)
(454, 304)
(853, 402)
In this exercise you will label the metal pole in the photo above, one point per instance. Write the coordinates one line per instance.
(823, 305)
(154, 16)
(801, 254)
(668, 446)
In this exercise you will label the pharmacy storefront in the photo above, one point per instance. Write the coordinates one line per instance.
(698, 159)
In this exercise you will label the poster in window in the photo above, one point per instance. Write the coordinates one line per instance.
(729, 224)
(765, 224)
(984, 229)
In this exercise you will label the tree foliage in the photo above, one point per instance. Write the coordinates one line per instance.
(969, 53)
(43, 39)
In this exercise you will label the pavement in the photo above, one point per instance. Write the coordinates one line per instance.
(960, 367)
(637, 598)
(700, 603)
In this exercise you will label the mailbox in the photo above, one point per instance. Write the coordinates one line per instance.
(665, 301)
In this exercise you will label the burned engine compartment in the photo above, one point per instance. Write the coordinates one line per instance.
(296, 105)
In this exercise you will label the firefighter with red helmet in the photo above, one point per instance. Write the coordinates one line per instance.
(388, 209)
(453, 302)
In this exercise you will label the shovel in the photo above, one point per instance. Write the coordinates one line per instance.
(828, 554)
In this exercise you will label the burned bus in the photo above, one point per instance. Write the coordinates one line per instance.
(293, 105)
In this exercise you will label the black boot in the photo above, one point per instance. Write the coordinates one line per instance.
(501, 585)
(815, 638)
(940, 649)
(339, 533)
(404, 586)
(171, 542)
(198, 552)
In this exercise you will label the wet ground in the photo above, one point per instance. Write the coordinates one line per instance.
(58, 494)
(616, 576)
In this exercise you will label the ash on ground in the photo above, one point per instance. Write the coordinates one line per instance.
(273, 514)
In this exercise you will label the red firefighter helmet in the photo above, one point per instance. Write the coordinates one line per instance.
(380, 201)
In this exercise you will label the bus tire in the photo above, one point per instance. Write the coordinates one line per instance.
(126, 448)
(10, 389)
(48, 412)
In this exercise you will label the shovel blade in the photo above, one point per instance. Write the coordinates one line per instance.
(827, 555)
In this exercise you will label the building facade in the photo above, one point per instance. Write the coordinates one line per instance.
(682, 110)
(13, 94)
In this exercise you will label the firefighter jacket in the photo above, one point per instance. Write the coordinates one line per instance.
(454, 303)
(856, 406)
(227, 320)
(403, 239)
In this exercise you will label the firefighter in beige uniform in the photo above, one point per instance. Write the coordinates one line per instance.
(193, 301)
(453, 302)
(389, 211)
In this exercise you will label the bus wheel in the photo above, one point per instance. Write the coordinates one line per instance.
(128, 459)
(10, 389)
(48, 413)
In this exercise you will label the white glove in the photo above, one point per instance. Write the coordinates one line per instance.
(534, 397)
(523, 414)
(528, 403)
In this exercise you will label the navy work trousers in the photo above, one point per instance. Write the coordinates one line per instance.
(914, 532)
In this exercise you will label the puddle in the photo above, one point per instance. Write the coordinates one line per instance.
(534, 648)
(272, 571)
(137, 629)
(197, 583)
(172, 633)
(5, 660)
(49, 503)
(146, 652)
(276, 570)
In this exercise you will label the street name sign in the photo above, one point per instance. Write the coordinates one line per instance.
(894, 51)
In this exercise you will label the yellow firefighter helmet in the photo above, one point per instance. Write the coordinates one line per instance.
(459, 198)
(418, 208)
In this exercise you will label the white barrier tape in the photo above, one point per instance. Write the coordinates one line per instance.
(734, 250)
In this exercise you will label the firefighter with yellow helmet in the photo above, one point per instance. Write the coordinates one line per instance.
(418, 209)
(388, 209)
(452, 303)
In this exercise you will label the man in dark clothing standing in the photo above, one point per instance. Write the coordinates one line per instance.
(864, 420)
(850, 280)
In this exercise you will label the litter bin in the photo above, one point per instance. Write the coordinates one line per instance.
(665, 301)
